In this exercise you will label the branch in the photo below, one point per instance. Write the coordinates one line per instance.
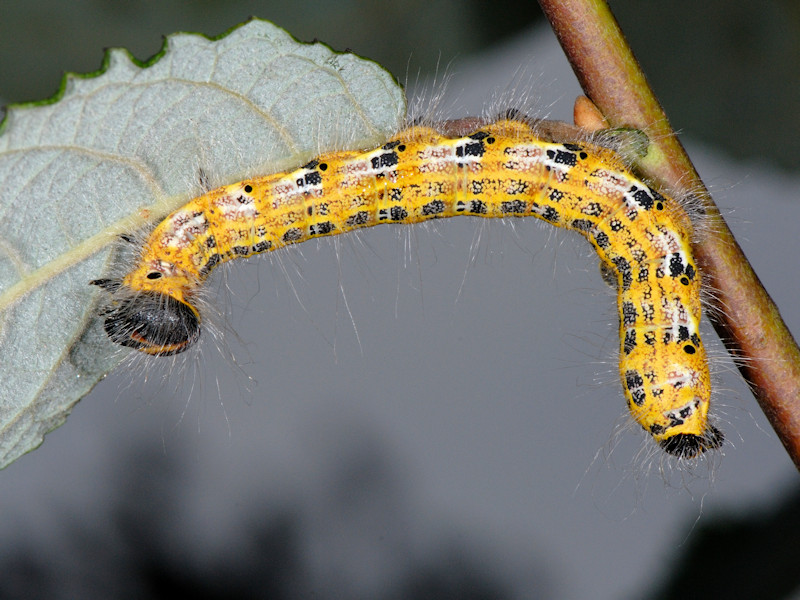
(746, 319)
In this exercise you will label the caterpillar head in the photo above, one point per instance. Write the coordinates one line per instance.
(151, 322)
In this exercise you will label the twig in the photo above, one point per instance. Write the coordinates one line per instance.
(747, 320)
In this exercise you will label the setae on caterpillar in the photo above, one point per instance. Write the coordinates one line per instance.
(499, 169)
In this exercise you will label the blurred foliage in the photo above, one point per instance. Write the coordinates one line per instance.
(143, 542)
(725, 72)
(39, 40)
(736, 556)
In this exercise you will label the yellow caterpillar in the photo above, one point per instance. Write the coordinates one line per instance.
(502, 169)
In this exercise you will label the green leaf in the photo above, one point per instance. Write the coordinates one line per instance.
(124, 146)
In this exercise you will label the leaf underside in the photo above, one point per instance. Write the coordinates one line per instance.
(124, 146)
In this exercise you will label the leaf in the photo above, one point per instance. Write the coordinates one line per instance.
(125, 145)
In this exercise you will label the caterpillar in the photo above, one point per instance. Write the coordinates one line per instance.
(499, 169)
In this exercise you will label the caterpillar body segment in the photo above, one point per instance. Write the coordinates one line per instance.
(501, 169)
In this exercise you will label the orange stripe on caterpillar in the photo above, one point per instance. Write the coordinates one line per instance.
(502, 169)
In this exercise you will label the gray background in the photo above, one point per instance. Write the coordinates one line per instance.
(410, 408)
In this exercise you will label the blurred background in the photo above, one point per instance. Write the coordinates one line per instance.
(430, 412)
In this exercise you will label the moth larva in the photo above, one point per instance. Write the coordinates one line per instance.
(502, 169)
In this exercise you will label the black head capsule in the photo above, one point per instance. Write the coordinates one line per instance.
(154, 323)
(689, 445)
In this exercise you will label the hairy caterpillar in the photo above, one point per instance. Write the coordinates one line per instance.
(500, 169)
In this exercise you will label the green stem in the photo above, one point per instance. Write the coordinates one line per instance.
(746, 319)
